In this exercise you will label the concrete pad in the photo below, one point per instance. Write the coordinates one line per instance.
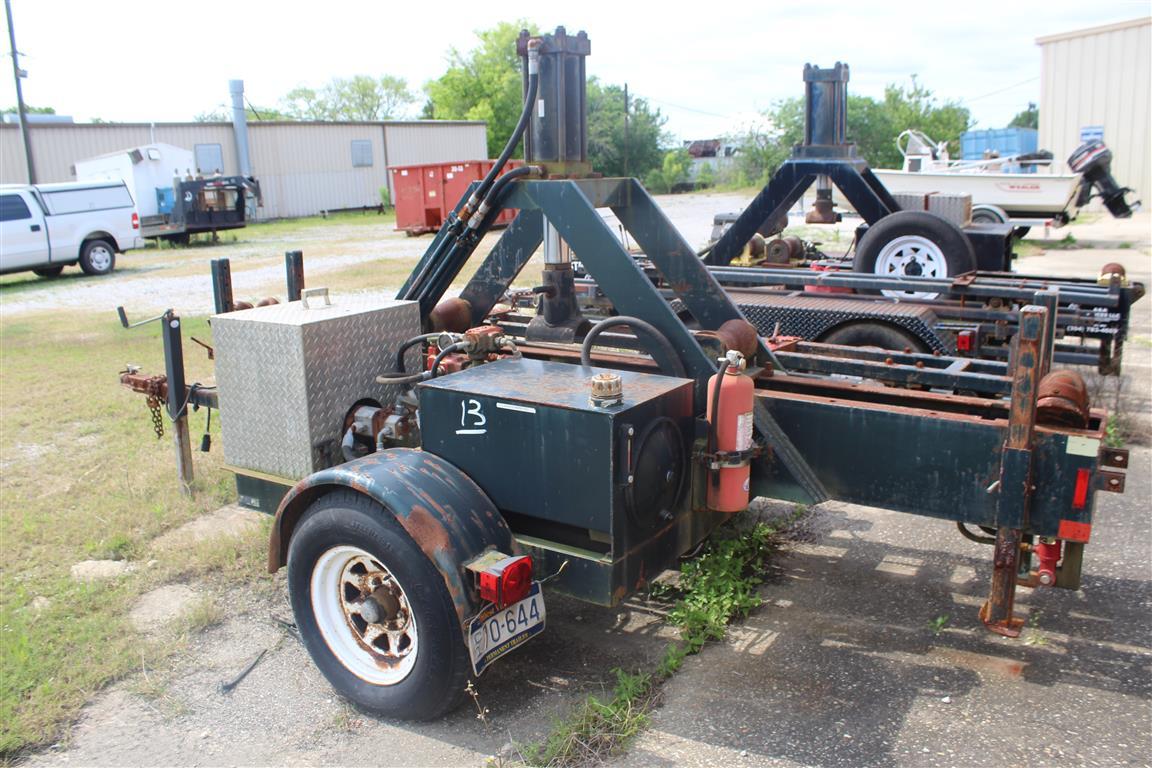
(849, 670)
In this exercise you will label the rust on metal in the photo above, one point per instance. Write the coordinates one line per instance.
(384, 614)
(1016, 472)
(1110, 481)
(1063, 400)
(453, 315)
(447, 515)
(153, 386)
(1114, 457)
(1113, 272)
(740, 335)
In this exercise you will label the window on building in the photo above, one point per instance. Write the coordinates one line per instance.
(361, 153)
(209, 158)
(13, 208)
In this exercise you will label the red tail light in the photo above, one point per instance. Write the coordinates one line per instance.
(1080, 493)
(507, 581)
(135, 221)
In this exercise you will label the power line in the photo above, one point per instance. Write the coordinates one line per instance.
(1001, 90)
(687, 109)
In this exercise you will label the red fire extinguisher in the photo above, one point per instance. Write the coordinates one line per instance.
(729, 413)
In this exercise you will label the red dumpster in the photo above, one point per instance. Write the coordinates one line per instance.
(424, 195)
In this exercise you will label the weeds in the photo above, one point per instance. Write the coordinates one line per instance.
(714, 589)
(938, 624)
(1113, 432)
(203, 614)
(598, 728)
(1035, 637)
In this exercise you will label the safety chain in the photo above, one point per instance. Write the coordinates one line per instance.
(157, 418)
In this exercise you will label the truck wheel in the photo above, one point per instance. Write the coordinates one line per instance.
(868, 334)
(49, 271)
(374, 612)
(914, 244)
(97, 257)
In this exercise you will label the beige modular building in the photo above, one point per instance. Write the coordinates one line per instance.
(303, 167)
(1096, 83)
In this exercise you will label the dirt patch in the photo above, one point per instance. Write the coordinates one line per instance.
(232, 520)
(156, 610)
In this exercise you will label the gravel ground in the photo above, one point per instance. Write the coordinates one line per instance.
(840, 667)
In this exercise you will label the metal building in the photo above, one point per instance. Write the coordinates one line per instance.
(1095, 83)
(303, 167)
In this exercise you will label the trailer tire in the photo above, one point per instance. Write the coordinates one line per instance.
(396, 649)
(989, 214)
(49, 271)
(871, 334)
(97, 257)
(914, 243)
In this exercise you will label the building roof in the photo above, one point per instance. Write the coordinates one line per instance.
(1094, 30)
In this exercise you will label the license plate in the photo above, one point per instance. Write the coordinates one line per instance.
(494, 632)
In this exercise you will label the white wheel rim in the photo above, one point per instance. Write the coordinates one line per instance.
(911, 256)
(364, 615)
(100, 258)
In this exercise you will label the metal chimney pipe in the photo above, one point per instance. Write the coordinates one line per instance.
(240, 127)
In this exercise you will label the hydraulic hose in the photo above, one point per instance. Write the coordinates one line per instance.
(497, 192)
(401, 378)
(481, 194)
(714, 427)
(658, 339)
(408, 345)
(518, 132)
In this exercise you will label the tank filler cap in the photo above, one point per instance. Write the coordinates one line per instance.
(607, 390)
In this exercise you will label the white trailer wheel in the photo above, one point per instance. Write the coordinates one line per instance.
(364, 615)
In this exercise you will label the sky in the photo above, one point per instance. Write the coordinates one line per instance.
(711, 70)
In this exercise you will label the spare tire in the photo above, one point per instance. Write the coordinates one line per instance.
(914, 244)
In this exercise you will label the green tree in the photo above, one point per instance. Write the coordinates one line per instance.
(356, 98)
(872, 124)
(254, 114)
(1029, 118)
(606, 134)
(484, 83)
(31, 110)
(673, 170)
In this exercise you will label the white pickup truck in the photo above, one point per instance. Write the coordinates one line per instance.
(46, 227)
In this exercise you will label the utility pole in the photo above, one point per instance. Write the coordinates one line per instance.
(626, 126)
(18, 73)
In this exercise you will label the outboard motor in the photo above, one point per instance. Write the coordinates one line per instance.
(1093, 161)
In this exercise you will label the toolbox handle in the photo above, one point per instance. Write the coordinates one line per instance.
(318, 292)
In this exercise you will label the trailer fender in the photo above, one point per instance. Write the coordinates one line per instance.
(875, 332)
(448, 516)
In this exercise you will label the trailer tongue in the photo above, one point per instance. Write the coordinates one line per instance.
(433, 460)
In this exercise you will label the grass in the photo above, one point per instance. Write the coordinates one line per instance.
(714, 589)
(84, 477)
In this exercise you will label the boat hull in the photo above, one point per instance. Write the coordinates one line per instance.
(1021, 195)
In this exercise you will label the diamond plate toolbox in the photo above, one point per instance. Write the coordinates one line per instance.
(287, 374)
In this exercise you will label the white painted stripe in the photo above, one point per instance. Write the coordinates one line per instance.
(520, 408)
(471, 431)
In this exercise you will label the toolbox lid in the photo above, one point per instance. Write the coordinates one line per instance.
(297, 313)
(559, 385)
